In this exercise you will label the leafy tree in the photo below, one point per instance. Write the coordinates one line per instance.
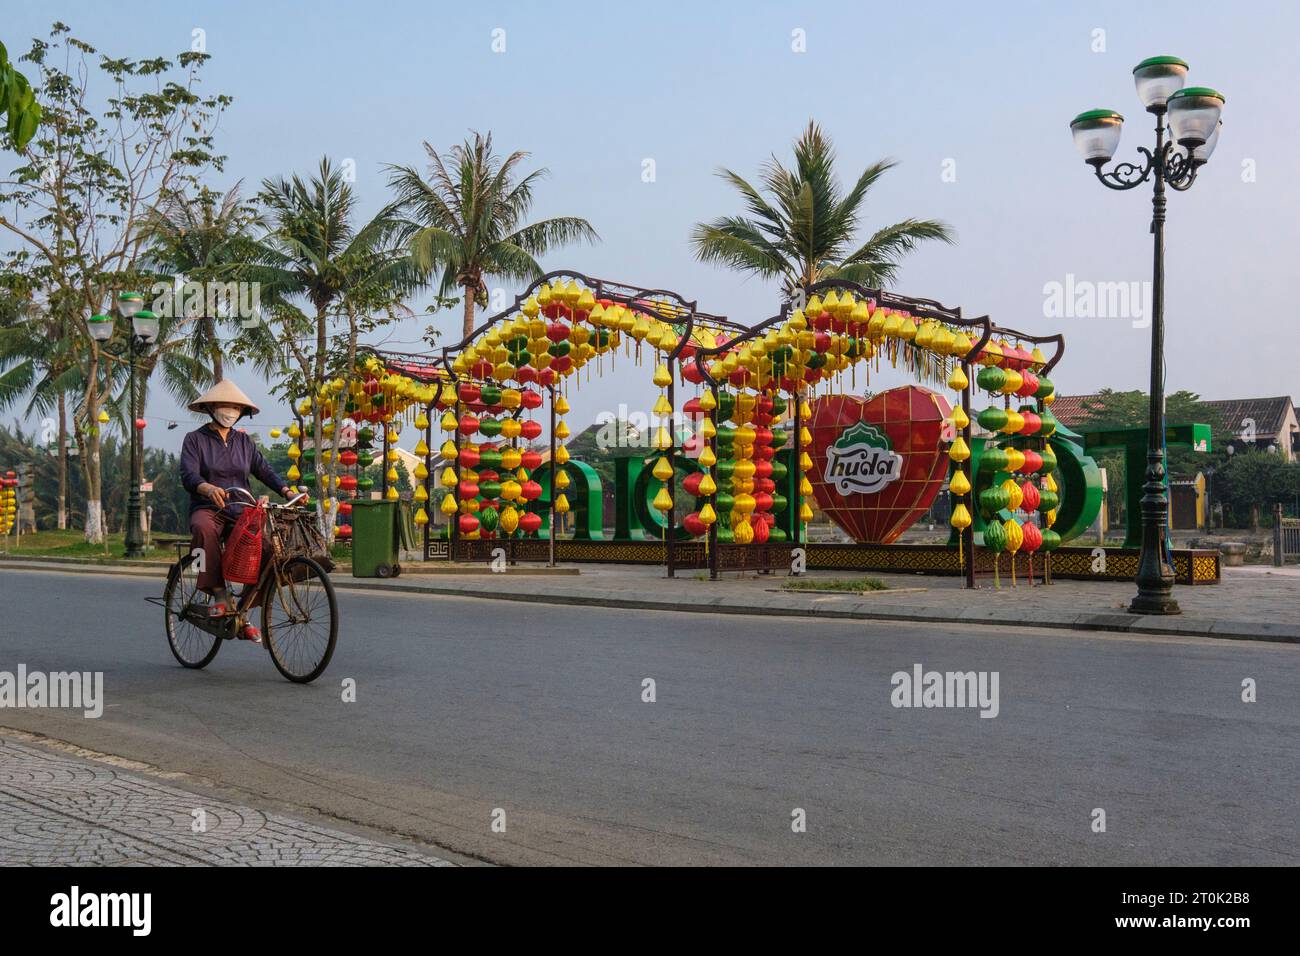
(17, 103)
(802, 226)
(466, 219)
(116, 137)
(1252, 480)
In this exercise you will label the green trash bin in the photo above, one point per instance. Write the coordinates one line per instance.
(374, 539)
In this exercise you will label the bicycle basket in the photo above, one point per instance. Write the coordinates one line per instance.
(300, 536)
(243, 557)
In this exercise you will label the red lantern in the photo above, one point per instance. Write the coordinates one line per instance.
(525, 375)
(1029, 497)
(469, 456)
(530, 459)
(468, 392)
(557, 331)
(692, 483)
(693, 525)
(348, 483)
(348, 457)
(691, 373)
(530, 491)
(530, 399)
(1033, 538)
(466, 490)
(345, 508)
(530, 521)
(468, 524)
(762, 531)
(1033, 462)
(1032, 423)
(343, 530)
(140, 424)
(468, 424)
(530, 429)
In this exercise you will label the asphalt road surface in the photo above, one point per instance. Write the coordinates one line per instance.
(469, 712)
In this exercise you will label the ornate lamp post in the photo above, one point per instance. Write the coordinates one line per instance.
(144, 331)
(1187, 130)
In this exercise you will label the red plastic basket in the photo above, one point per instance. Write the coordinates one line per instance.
(243, 558)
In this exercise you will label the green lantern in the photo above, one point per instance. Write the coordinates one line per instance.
(993, 459)
(490, 427)
(990, 378)
(1051, 540)
(994, 419)
(995, 537)
(993, 500)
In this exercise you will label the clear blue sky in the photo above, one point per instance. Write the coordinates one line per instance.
(592, 89)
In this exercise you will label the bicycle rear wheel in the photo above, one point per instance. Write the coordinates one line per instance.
(300, 621)
(191, 645)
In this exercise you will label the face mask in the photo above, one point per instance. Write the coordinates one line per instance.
(226, 416)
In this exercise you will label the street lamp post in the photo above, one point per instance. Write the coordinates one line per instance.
(143, 333)
(1187, 130)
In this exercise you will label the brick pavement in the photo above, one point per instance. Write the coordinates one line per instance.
(62, 810)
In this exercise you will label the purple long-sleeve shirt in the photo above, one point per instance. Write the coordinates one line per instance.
(226, 464)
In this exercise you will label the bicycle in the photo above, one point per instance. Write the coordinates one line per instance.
(299, 608)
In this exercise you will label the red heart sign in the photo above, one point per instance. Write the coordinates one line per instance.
(878, 465)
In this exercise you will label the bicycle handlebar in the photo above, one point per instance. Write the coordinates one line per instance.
(252, 500)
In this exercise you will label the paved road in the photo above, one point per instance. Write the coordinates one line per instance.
(465, 707)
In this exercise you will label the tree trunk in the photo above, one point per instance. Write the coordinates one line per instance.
(470, 292)
(90, 463)
(210, 333)
(61, 505)
(95, 533)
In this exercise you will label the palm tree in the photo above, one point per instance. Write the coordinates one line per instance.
(38, 360)
(466, 219)
(315, 266)
(803, 226)
(198, 237)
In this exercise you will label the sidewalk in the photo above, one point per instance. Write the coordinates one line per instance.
(64, 810)
(1250, 603)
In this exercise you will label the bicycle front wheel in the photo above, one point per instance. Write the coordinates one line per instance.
(300, 620)
(190, 644)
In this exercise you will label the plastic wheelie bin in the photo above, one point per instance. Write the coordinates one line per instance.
(375, 539)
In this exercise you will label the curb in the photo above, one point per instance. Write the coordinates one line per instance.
(863, 610)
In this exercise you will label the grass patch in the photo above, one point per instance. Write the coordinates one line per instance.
(72, 543)
(854, 585)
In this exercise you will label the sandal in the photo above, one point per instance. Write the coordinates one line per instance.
(250, 633)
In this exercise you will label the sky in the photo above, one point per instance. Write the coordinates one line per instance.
(973, 101)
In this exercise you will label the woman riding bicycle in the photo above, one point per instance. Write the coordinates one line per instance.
(215, 457)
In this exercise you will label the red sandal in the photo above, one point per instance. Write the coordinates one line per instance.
(250, 633)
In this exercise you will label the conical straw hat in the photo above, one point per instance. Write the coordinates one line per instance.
(223, 393)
